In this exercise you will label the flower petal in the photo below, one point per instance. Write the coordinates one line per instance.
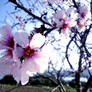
(5, 35)
(37, 41)
(21, 38)
(3, 46)
(4, 70)
(15, 71)
(17, 53)
(6, 32)
(24, 76)
(30, 65)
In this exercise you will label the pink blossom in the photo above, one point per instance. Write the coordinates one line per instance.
(81, 22)
(32, 55)
(59, 18)
(6, 38)
(83, 10)
(22, 57)
(6, 43)
(7, 64)
(63, 21)
(10, 68)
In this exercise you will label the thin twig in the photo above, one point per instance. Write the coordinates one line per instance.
(29, 12)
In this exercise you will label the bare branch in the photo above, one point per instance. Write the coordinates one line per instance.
(29, 12)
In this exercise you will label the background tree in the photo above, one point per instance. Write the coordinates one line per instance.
(67, 26)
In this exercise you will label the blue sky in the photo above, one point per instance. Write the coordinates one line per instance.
(3, 9)
(5, 6)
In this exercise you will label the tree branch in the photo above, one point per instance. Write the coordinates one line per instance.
(67, 47)
(29, 12)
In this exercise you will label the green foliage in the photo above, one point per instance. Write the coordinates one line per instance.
(69, 89)
(41, 81)
(8, 80)
(34, 83)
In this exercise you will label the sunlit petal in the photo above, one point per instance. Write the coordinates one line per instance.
(37, 41)
(21, 38)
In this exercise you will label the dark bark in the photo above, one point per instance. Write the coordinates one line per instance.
(29, 12)
(85, 88)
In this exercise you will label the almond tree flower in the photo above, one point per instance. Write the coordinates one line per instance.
(7, 64)
(63, 21)
(81, 23)
(6, 43)
(66, 27)
(10, 68)
(6, 38)
(32, 54)
(83, 10)
(59, 17)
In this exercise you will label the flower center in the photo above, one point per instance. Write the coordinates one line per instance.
(64, 26)
(9, 52)
(62, 19)
(11, 43)
(28, 51)
(83, 15)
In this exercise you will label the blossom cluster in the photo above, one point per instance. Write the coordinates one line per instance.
(82, 11)
(63, 21)
(62, 18)
(22, 56)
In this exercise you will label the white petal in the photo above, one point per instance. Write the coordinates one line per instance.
(2, 46)
(71, 23)
(5, 35)
(17, 75)
(6, 32)
(21, 38)
(17, 53)
(30, 65)
(15, 71)
(24, 77)
(4, 70)
(10, 68)
(30, 73)
(37, 41)
(43, 58)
